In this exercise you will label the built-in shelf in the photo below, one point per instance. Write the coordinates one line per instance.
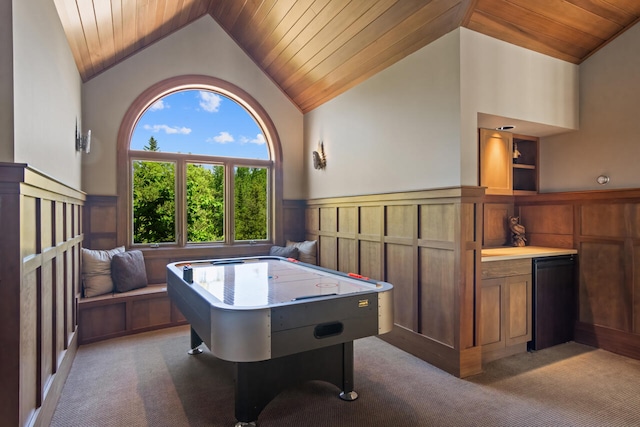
(518, 166)
(508, 163)
(525, 173)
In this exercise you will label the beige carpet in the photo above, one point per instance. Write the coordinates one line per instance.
(149, 380)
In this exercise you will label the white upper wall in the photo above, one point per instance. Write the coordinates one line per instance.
(6, 82)
(608, 141)
(200, 48)
(46, 93)
(397, 131)
(414, 125)
(502, 79)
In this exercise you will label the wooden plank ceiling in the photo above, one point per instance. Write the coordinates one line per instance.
(316, 49)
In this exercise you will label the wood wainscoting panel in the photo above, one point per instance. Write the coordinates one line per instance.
(329, 219)
(370, 259)
(72, 291)
(605, 294)
(633, 222)
(60, 212)
(328, 251)
(156, 269)
(606, 232)
(293, 212)
(347, 257)
(94, 325)
(437, 222)
(400, 221)
(46, 224)
(150, 313)
(495, 227)
(635, 248)
(312, 219)
(437, 292)
(102, 242)
(47, 321)
(29, 226)
(100, 222)
(102, 217)
(59, 299)
(40, 225)
(548, 219)
(30, 376)
(603, 220)
(370, 220)
(347, 220)
(426, 244)
(548, 225)
(400, 273)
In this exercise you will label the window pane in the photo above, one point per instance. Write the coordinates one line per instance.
(205, 203)
(200, 122)
(154, 205)
(250, 205)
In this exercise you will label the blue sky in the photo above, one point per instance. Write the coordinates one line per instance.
(200, 122)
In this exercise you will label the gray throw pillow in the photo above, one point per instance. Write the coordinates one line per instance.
(307, 250)
(96, 271)
(285, 252)
(128, 271)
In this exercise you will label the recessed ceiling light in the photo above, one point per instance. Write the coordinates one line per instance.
(506, 127)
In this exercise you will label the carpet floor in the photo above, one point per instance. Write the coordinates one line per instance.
(149, 380)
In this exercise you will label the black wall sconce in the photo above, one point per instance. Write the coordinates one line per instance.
(83, 142)
(319, 158)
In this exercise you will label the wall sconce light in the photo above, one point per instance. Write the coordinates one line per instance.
(602, 179)
(83, 142)
(319, 158)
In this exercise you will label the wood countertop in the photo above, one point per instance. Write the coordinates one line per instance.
(509, 252)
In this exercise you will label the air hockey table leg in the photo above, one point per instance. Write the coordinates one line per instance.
(347, 392)
(196, 341)
(257, 383)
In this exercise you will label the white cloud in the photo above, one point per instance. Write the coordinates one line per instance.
(158, 105)
(222, 138)
(209, 101)
(259, 140)
(168, 129)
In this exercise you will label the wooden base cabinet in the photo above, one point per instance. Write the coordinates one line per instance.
(505, 308)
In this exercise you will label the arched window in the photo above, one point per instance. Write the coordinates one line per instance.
(199, 165)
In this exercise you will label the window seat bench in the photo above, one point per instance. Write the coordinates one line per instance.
(118, 314)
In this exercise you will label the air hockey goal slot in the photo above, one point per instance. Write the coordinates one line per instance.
(326, 330)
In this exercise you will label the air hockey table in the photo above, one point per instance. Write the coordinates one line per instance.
(279, 321)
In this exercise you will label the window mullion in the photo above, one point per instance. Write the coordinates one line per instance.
(181, 202)
(229, 223)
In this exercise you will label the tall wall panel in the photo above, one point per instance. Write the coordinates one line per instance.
(399, 267)
(437, 289)
(425, 243)
(40, 227)
(604, 226)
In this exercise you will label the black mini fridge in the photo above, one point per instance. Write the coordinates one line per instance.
(554, 302)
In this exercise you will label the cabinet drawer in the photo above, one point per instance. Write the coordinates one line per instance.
(514, 267)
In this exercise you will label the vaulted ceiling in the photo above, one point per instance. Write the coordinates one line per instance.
(316, 49)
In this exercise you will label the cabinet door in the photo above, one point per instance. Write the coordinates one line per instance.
(496, 154)
(517, 298)
(492, 314)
